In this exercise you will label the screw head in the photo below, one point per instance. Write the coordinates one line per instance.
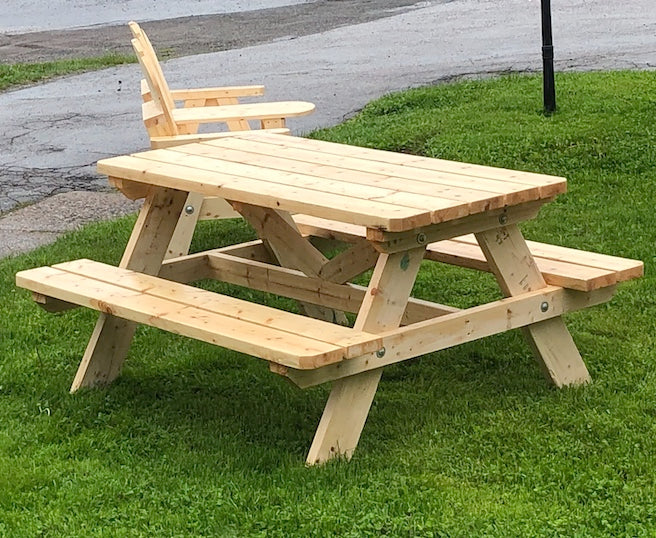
(544, 306)
(503, 218)
(421, 238)
(189, 210)
(380, 353)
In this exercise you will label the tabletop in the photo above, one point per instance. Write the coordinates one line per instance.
(374, 188)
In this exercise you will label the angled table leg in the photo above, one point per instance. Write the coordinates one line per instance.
(515, 269)
(144, 253)
(349, 402)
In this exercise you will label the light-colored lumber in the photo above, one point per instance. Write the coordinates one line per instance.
(261, 111)
(549, 185)
(350, 263)
(144, 253)
(272, 123)
(184, 230)
(217, 93)
(259, 192)
(331, 175)
(246, 327)
(296, 285)
(158, 142)
(279, 233)
(387, 241)
(560, 266)
(458, 328)
(319, 183)
(50, 304)
(516, 271)
(415, 180)
(350, 399)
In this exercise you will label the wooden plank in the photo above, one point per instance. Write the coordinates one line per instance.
(548, 185)
(229, 307)
(385, 241)
(184, 319)
(255, 111)
(184, 230)
(214, 93)
(329, 229)
(415, 180)
(130, 189)
(560, 266)
(626, 268)
(50, 304)
(516, 271)
(351, 210)
(333, 167)
(278, 232)
(556, 273)
(458, 328)
(350, 263)
(296, 285)
(321, 183)
(350, 399)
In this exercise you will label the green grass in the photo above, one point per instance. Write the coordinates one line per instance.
(194, 440)
(18, 74)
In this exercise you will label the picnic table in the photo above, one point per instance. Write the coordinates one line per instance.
(393, 210)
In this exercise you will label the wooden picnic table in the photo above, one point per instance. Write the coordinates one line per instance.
(391, 206)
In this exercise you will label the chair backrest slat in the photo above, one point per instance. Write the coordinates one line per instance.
(154, 76)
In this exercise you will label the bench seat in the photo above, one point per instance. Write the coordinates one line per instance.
(560, 266)
(246, 327)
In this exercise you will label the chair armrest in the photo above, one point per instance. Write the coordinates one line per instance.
(251, 111)
(217, 93)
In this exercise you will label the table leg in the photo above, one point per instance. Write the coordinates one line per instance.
(515, 269)
(349, 402)
(144, 253)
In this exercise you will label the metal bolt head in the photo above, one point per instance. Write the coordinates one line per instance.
(421, 238)
(544, 306)
(189, 210)
(380, 353)
(503, 218)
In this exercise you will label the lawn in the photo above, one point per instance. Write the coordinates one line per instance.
(195, 440)
(18, 74)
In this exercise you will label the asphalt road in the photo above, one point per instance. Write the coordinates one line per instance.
(54, 133)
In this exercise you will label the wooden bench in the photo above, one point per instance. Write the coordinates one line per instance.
(257, 330)
(560, 266)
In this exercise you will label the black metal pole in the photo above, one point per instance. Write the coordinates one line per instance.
(548, 83)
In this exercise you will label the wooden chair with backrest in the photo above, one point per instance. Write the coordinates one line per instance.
(168, 125)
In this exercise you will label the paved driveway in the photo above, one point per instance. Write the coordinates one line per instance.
(54, 133)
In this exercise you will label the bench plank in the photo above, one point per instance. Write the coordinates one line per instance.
(560, 266)
(245, 327)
